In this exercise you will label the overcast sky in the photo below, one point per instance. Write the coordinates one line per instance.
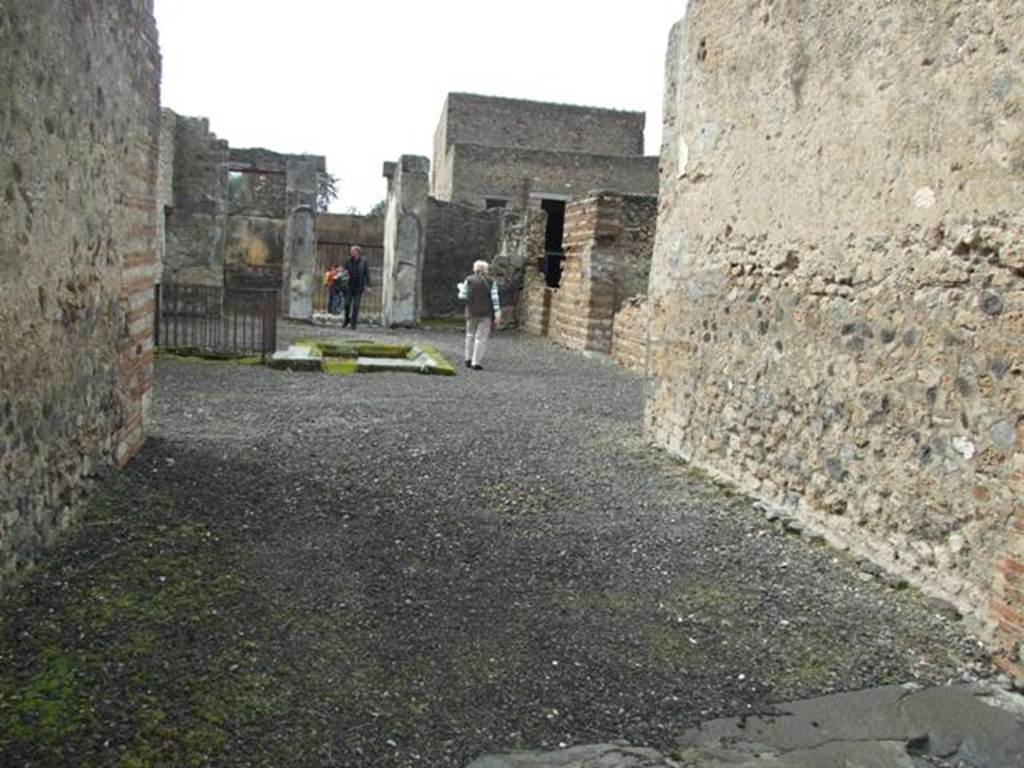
(363, 82)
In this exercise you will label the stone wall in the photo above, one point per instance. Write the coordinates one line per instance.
(517, 262)
(350, 229)
(456, 236)
(164, 184)
(257, 208)
(837, 292)
(196, 225)
(501, 122)
(480, 171)
(608, 239)
(78, 169)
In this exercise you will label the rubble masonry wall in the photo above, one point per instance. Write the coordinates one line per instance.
(80, 110)
(837, 292)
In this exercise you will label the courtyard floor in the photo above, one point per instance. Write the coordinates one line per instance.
(401, 570)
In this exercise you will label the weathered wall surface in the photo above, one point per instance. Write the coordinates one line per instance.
(404, 239)
(456, 236)
(520, 250)
(499, 122)
(196, 225)
(481, 171)
(164, 184)
(254, 249)
(608, 241)
(79, 110)
(349, 229)
(629, 335)
(837, 292)
(301, 276)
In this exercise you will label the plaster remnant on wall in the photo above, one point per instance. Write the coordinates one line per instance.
(924, 198)
(870, 326)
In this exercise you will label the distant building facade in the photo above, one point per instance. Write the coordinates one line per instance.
(489, 151)
(492, 152)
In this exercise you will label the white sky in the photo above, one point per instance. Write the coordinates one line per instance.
(363, 82)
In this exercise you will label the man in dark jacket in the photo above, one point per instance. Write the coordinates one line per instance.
(358, 281)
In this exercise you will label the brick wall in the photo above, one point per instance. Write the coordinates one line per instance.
(837, 291)
(629, 335)
(78, 235)
(607, 241)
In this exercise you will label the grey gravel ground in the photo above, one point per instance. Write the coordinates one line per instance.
(393, 570)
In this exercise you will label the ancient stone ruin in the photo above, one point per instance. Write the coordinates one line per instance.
(832, 318)
(499, 163)
(837, 293)
(77, 257)
(237, 217)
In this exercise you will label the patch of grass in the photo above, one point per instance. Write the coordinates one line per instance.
(443, 322)
(48, 708)
(811, 672)
(341, 367)
(712, 597)
(197, 355)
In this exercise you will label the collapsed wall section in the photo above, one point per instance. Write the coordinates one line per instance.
(79, 105)
(837, 292)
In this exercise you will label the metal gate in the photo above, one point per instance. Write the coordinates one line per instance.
(215, 320)
(331, 253)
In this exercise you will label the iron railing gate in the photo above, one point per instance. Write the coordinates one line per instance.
(216, 320)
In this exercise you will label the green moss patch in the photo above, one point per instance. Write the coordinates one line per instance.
(197, 355)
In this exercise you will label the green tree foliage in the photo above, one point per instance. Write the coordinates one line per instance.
(326, 191)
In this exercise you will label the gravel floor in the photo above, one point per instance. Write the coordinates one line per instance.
(393, 570)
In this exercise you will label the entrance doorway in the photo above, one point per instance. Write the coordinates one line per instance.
(554, 254)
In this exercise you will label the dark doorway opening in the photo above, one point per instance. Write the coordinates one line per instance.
(553, 252)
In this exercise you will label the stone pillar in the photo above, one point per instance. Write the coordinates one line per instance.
(299, 280)
(404, 239)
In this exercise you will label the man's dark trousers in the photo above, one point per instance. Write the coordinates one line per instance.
(352, 299)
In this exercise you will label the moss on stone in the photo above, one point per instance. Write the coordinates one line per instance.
(442, 366)
(198, 356)
(48, 708)
(342, 367)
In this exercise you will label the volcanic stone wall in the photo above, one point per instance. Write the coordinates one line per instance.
(254, 247)
(837, 291)
(456, 236)
(196, 225)
(608, 240)
(79, 110)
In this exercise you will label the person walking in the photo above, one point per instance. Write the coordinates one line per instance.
(358, 281)
(483, 310)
